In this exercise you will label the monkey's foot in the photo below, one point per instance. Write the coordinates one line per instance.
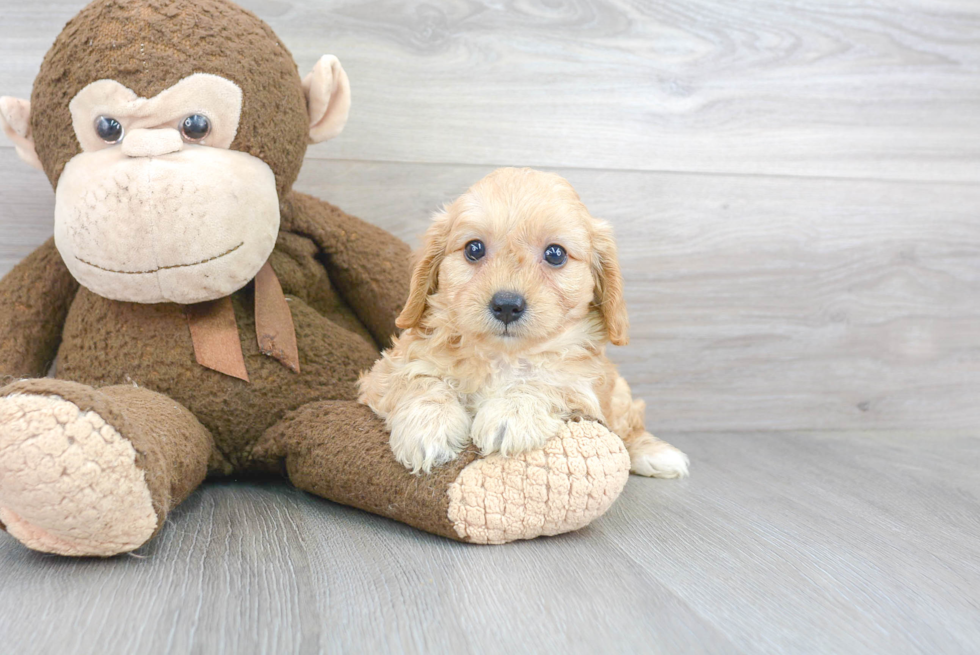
(69, 481)
(562, 487)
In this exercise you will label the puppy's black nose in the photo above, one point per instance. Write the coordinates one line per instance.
(507, 306)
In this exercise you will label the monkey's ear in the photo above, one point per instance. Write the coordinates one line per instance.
(327, 92)
(15, 120)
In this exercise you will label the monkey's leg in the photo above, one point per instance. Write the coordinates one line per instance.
(87, 471)
(339, 450)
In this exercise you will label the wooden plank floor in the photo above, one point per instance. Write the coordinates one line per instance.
(815, 543)
(796, 192)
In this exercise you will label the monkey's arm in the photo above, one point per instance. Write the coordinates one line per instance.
(370, 267)
(34, 300)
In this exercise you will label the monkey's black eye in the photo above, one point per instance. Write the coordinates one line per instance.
(555, 255)
(195, 127)
(475, 250)
(108, 129)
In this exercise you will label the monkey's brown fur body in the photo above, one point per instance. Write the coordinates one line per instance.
(132, 366)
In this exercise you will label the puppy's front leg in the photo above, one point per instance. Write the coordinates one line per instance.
(514, 423)
(428, 428)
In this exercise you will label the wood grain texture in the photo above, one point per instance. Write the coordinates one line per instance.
(819, 543)
(267, 569)
(835, 88)
(884, 91)
(809, 543)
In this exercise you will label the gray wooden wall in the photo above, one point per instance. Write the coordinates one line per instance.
(795, 185)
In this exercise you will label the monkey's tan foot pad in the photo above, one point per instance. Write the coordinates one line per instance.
(69, 483)
(572, 481)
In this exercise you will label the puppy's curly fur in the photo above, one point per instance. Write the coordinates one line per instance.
(460, 375)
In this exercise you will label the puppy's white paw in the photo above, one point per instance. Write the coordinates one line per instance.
(513, 425)
(427, 434)
(654, 458)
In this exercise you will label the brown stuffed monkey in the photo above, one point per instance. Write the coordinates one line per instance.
(208, 320)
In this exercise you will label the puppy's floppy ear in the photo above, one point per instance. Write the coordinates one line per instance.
(609, 284)
(425, 274)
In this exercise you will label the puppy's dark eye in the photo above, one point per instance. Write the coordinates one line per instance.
(555, 255)
(475, 250)
(195, 127)
(109, 129)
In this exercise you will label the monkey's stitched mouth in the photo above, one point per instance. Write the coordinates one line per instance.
(163, 268)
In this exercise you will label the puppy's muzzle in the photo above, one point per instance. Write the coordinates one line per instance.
(507, 306)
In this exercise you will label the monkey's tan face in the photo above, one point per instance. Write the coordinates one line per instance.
(156, 208)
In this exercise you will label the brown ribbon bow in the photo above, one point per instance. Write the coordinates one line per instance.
(214, 330)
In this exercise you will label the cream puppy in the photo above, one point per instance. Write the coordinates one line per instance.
(514, 297)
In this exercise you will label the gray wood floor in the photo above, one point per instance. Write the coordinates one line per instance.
(796, 192)
(780, 542)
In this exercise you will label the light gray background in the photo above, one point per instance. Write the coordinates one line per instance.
(796, 191)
